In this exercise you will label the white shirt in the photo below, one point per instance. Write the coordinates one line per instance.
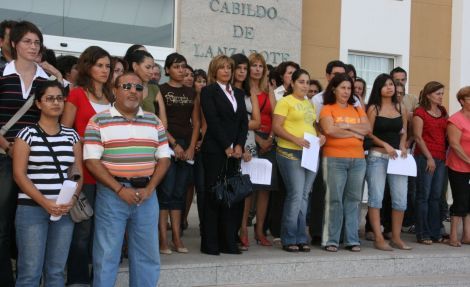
(10, 69)
(279, 92)
(230, 96)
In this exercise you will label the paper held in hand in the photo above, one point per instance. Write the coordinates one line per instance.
(402, 166)
(259, 170)
(310, 155)
(65, 195)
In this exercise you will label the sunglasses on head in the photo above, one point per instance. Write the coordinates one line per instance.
(128, 86)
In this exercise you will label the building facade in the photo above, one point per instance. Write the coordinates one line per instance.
(428, 38)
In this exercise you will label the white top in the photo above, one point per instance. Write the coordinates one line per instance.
(230, 96)
(279, 92)
(10, 68)
(100, 107)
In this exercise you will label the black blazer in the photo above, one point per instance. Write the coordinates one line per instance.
(224, 126)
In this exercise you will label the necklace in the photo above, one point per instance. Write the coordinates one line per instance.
(435, 114)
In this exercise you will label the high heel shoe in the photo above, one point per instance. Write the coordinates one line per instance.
(263, 241)
(244, 242)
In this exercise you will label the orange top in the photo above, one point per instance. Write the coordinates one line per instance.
(343, 147)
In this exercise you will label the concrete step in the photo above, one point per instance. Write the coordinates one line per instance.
(272, 265)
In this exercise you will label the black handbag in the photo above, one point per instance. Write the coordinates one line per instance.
(229, 190)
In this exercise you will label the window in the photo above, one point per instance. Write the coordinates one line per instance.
(369, 66)
(144, 22)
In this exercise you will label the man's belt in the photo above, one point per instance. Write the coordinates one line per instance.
(137, 182)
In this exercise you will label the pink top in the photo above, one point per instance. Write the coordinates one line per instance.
(453, 160)
(434, 133)
(85, 111)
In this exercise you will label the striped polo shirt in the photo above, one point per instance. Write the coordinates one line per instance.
(13, 95)
(127, 148)
(42, 170)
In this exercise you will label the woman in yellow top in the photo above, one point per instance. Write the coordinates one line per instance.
(294, 116)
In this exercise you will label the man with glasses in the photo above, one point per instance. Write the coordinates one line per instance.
(126, 150)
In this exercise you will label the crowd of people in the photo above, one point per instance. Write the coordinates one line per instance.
(143, 149)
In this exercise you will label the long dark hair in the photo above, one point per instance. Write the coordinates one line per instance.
(240, 59)
(329, 97)
(87, 59)
(295, 76)
(375, 98)
(429, 88)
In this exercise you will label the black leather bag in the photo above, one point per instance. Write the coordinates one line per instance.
(229, 190)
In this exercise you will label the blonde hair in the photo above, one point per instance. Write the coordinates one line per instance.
(217, 63)
(253, 58)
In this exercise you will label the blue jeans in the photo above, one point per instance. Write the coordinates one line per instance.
(112, 215)
(376, 175)
(8, 196)
(298, 182)
(82, 240)
(428, 197)
(43, 246)
(172, 191)
(344, 177)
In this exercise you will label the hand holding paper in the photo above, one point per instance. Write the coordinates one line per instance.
(310, 155)
(65, 195)
(402, 166)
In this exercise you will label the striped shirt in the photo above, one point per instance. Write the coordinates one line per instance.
(42, 170)
(127, 148)
(13, 95)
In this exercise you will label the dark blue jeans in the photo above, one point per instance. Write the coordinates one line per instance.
(81, 246)
(8, 196)
(428, 197)
(172, 190)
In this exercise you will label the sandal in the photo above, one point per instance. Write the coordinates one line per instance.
(425, 241)
(290, 248)
(403, 246)
(455, 243)
(331, 248)
(353, 248)
(441, 240)
(304, 247)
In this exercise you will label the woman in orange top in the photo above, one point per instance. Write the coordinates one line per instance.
(344, 166)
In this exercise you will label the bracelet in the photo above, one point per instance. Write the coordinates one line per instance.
(119, 190)
(76, 196)
(7, 149)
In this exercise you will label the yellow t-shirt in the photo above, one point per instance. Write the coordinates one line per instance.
(300, 116)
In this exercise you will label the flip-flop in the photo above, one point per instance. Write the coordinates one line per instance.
(331, 248)
(455, 243)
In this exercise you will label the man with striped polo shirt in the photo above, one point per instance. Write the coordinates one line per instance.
(126, 150)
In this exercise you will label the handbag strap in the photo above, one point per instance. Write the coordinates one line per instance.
(17, 115)
(49, 146)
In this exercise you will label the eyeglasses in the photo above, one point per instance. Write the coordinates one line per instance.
(52, 99)
(30, 42)
(128, 86)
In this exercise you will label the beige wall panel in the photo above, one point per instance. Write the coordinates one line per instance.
(320, 35)
(314, 60)
(429, 69)
(430, 44)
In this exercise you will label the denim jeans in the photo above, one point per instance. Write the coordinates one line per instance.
(8, 196)
(298, 182)
(82, 240)
(43, 246)
(112, 215)
(344, 178)
(172, 191)
(428, 197)
(376, 174)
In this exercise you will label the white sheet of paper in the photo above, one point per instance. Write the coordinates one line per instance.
(259, 170)
(65, 195)
(402, 166)
(310, 155)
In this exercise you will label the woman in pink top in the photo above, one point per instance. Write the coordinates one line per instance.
(458, 162)
(93, 95)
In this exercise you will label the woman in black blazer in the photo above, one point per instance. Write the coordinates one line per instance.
(227, 126)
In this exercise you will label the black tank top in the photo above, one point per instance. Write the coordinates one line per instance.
(388, 129)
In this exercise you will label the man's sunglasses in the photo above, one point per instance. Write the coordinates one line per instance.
(128, 86)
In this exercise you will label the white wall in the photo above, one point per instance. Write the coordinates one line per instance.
(376, 26)
(460, 51)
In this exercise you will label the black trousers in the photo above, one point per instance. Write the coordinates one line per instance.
(219, 223)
